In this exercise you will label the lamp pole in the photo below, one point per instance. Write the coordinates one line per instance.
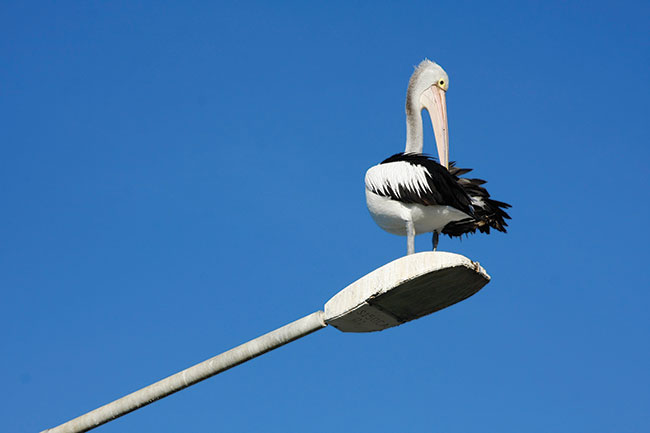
(194, 374)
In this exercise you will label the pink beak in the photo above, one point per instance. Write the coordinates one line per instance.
(435, 102)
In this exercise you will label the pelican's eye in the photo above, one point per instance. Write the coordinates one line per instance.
(442, 84)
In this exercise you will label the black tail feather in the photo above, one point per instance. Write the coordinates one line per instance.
(488, 213)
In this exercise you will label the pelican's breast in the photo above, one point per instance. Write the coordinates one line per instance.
(390, 215)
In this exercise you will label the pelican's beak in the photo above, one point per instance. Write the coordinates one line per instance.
(434, 100)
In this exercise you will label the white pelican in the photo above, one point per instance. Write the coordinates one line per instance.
(410, 193)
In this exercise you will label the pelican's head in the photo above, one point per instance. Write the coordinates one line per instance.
(427, 88)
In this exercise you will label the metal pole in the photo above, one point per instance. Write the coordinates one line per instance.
(192, 375)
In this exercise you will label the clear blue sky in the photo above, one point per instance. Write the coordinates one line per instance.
(180, 177)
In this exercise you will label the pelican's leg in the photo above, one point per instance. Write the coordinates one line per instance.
(435, 241)
(410, 238)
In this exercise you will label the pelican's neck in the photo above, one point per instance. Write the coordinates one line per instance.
(414, 137)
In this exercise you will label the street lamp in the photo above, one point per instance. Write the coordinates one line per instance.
(400, 291)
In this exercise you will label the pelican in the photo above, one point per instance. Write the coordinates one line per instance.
(411, 193)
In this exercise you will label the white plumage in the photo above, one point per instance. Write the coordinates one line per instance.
(398, 176)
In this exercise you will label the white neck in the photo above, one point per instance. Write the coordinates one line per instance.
(414, 138)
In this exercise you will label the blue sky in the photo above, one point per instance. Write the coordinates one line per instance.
(180, 177)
